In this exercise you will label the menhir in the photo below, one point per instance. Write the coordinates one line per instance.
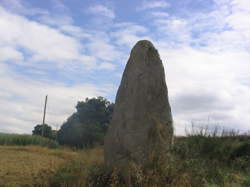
(141, 129)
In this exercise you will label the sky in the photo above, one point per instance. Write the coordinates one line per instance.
(73, 49)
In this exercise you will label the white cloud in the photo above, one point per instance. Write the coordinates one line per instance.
(175, 30)
(203, 84)
(102, 49)
(107, 66)
(13, 4)
(226, 27)
(75, 31)
(160, 14)
(153, 4)
(23, 99)
(31, 43)
(65, 24)
(101, 10)
(129, 33)
(8, 53)
(21, 7)
(44, 43)
(57, 20)
(206, 61)
(59, 5)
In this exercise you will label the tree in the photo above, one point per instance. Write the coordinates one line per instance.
(43, 130)
(88, 125)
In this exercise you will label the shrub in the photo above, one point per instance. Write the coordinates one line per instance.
(87, 126)
(246, 182)
(43, 130)
(241, 151)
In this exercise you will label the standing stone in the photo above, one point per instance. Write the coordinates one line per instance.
(142, 127)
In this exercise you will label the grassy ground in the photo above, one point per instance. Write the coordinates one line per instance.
(196, 161)
(30, 165)
(39, 166)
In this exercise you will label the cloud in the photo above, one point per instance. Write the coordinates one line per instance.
(59, 6)
(129, 33)
(8, 54)
(199, 101)
(206, 60)
(206, 56)
(23, 99)
(55, 20)
(64, 24)
(160, 14)
(153, 4)
(102, 49)
(13, 4)
(175, 30)
(226, 27)
(21, 7)
(107, 66)
(32, 49)
(39, 41)
(75, 31)
(203, 84)
(101, 10)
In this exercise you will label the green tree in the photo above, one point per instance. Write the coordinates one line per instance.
(43, 130)
(88, 125)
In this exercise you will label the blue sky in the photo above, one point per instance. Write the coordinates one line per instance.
(73, 49)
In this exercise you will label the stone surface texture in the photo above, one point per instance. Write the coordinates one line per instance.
(142, 126)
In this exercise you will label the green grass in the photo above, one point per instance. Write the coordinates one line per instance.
(23, 140)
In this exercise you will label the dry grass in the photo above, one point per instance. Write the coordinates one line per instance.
(30, 165)
(40, 166)
(76, 173)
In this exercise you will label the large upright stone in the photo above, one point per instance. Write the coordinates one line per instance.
(141, 128)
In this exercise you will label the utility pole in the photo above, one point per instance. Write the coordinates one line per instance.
(44, 113)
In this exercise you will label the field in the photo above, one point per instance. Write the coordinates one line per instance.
(195, 161)
(39, 166)
(30, 165)
(17, 139)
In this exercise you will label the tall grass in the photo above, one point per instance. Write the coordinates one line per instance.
(206, 157)
(23, 140)
(76, 173)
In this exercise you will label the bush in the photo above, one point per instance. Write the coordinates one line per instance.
(241, 151)
(87, 126)
(246, 182)
(43, 130)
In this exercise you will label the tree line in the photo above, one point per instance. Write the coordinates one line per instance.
(84, 128)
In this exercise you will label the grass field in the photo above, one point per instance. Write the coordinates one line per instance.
(196, 161)
(39, 166)
(30, 165)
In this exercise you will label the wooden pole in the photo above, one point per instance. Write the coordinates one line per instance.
(44, 113)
